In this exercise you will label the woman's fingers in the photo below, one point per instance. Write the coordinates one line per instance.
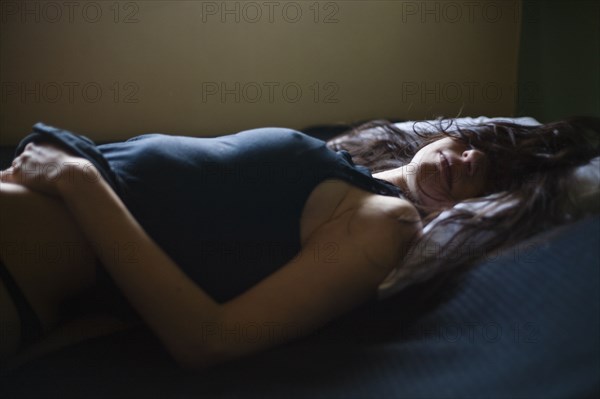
(42, 167)
(37, 167)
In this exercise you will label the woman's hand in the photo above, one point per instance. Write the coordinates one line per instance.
(46, 167)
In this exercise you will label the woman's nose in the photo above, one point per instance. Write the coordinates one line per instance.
(474, 160)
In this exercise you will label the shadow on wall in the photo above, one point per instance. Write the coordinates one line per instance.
(113, 70)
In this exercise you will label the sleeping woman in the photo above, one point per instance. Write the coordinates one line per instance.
(270, 228)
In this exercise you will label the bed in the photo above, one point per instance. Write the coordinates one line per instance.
(525, 323)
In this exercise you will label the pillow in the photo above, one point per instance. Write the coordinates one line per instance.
(583, 196)
(431, 125)
(446, 237)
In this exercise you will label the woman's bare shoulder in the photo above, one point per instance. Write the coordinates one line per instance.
(384, 227)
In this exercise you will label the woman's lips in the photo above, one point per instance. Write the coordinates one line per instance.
(446, 171)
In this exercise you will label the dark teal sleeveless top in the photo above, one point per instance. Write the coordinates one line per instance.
(225, 209)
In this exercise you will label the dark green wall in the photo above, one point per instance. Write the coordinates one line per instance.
(559, 59)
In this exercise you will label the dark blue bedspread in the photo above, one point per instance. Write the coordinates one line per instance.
(525, 324)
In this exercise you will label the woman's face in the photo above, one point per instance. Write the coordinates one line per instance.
(447, 171)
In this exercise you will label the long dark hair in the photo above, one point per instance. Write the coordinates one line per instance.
(531, 169)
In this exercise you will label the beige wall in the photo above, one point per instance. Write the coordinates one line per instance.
(174, 66)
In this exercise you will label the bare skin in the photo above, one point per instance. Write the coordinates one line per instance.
(42, 250)
(49, 259)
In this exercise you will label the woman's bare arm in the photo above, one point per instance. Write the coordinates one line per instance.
(165, 297)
